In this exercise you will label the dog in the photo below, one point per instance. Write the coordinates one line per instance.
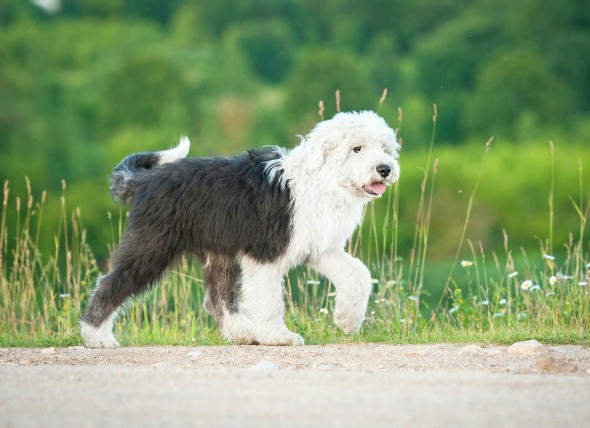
(248, 219)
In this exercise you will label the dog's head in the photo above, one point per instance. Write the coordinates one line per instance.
(358, 150)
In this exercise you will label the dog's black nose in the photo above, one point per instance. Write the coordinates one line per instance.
(384, 170)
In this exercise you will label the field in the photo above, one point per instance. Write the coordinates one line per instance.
(477, 295)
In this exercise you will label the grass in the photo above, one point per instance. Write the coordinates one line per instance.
(484, 298)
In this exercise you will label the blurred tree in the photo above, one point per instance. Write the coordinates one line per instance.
(141, 91)
(317, 75)
(268, 47)
(509, 85)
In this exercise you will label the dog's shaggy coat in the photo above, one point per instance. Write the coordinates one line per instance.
(248, 219)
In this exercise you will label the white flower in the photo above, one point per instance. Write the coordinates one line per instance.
(324, 311)
(372, 313)
(454, 309)
(391, 282)
(552, 280)
(526, 285)
(64, 295)
(548, 257)
(413, 298)
(466, 263)
(313, 282)
(498, 314)
(503, 301)
(588, 265)
(374, 281)
(379, 301)
(535, 287)
(485, 302)
(513, 274)
(582, 283)
(549, 293)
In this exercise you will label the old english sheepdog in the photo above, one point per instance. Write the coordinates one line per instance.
(249, 219)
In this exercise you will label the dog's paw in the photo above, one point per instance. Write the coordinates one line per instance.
(349, 322)
(97, 338)
(278, 337)
(238, 330)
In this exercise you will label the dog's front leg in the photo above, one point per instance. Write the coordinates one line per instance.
(262, 302)
(352, 280)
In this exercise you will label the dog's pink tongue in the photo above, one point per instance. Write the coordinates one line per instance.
(378, 188)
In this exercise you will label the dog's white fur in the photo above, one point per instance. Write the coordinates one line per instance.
(326, 178)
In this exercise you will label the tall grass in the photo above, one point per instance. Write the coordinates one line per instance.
(485, 297)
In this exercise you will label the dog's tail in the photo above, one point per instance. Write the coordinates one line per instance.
(138, 165)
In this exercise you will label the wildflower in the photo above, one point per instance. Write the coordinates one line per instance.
(466, 263)
(413, 298)
(372, 313)
(485, 302)
(498, 314)
(324, 311)
(313, 282)
(526, 285)
(549, 293)
(535, 287)
(454, 309)
(548, 257)
(552, 280)
(582, 283)
(374, 281)
(379, 301)
(512, 275)
(391, 282)
(332, 294)
(64, 295)
(503, 301)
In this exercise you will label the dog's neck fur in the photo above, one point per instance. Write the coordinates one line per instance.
(321, 206)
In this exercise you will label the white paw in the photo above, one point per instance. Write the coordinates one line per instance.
(278, 336)
(349, 321)
(238, 329)
(101, 337)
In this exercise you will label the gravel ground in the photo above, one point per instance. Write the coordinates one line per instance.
(333, 385)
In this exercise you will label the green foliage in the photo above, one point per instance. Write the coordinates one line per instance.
(268, 47)
(317, 74)
(84, 86)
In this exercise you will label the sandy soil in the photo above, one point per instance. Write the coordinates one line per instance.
(334, 385)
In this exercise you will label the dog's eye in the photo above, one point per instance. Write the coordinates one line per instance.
(357, 149)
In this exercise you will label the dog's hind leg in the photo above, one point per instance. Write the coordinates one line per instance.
(262, 300)
(222, 278)
(138, 264)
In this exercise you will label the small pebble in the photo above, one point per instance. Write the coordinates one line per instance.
(528, 347)
(193, 354)
(470, 349)
(322, 366)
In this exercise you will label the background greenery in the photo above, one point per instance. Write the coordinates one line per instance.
(85, 85)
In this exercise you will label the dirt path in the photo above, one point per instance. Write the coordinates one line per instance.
(335, 385)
